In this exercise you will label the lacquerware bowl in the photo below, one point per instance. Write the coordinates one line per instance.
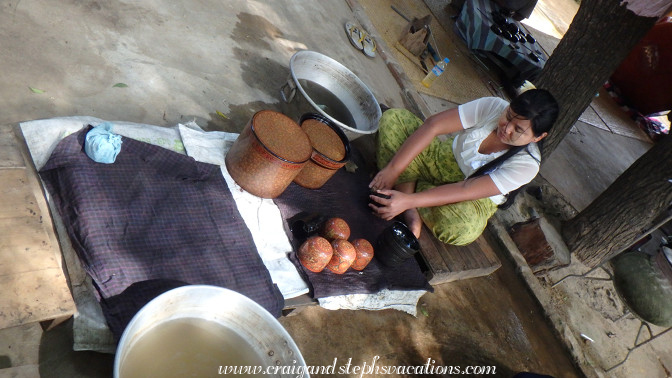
(323, 164)
(396, 244)
(268, 154)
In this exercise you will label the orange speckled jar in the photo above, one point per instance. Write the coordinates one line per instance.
(268, 154)
(364, 251)
(331, 150)
(343, 257)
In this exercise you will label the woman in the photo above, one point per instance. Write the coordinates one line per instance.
(454, 185)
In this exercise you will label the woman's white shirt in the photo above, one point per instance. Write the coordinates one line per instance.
(479, 118)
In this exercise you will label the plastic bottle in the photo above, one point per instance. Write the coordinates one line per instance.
(435, 72)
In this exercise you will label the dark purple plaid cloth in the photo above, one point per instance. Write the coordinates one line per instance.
(346, 196)
(154, 219)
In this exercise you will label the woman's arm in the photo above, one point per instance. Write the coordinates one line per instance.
(446, 122)
(470, 189)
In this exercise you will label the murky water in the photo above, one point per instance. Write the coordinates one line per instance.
(328, 102)
(187, 347)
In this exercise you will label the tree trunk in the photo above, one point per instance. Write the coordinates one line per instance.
(613, 221)
(601, 35)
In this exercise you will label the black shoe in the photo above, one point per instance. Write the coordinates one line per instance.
(535, 191)
(510, 199)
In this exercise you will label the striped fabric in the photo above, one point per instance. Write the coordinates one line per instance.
(154, 216)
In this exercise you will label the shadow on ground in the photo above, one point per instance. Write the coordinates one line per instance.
(57, 359)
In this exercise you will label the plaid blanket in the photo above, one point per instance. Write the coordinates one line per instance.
(152, 221)
(346, 195)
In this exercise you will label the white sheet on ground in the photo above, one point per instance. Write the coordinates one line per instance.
(261, 216)
(405, 301)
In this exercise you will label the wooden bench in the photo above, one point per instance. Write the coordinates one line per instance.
(32, 278)
(444, 263)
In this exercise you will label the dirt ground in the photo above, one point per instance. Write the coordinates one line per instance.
(588, 313)
(488, 321)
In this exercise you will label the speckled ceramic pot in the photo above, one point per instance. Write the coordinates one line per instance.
(268, 154)
(331, 150)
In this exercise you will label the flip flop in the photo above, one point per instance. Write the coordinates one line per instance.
(369, 46)
(355, 35)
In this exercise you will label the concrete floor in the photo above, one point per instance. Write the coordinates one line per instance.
(185, 60)
(587, 162)
(180, 59)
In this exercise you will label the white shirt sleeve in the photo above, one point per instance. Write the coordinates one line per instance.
(516, 171)
(475, 112)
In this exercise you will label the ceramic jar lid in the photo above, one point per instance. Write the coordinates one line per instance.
(281, 135)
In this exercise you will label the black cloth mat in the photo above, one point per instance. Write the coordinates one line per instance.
(153, 217)
(346, 195)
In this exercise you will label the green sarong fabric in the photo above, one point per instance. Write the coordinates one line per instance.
(456, 223)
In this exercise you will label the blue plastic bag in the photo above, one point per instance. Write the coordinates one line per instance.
(101, 145)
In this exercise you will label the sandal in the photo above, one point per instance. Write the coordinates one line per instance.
(369, 46)
(355, 35)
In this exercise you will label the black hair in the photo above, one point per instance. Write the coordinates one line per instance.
(541, 109)
(539, 106)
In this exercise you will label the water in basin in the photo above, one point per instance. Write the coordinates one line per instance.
(328, 102)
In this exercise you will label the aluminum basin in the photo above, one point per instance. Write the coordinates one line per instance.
(256, 331)
(333, 91)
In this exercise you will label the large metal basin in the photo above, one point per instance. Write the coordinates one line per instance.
(333, 91)
(255, 329)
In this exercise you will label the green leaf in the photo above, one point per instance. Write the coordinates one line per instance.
(221, 114)
(120, 85)
(350, 167)
(35, 90)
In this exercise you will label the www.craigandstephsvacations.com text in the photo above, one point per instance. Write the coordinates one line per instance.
(361, 370)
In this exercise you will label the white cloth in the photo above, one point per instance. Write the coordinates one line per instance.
(405, 301)
(261, 215)
(479, 118)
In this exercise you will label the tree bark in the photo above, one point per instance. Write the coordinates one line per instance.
(618, 216)
(601, 35)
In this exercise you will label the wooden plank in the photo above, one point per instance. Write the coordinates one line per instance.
(23, 371)
(458, 258)
(24, 246)
(430, 253)
(447, 263)
(485, 243)
(35, 296)
(10, 153)
(33, 282)
(16, 200)
(300, 301)
(294, 306)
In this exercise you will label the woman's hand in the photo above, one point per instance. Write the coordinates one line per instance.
(384, 179)
(390, 208)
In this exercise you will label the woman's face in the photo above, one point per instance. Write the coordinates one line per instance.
(515, 130)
